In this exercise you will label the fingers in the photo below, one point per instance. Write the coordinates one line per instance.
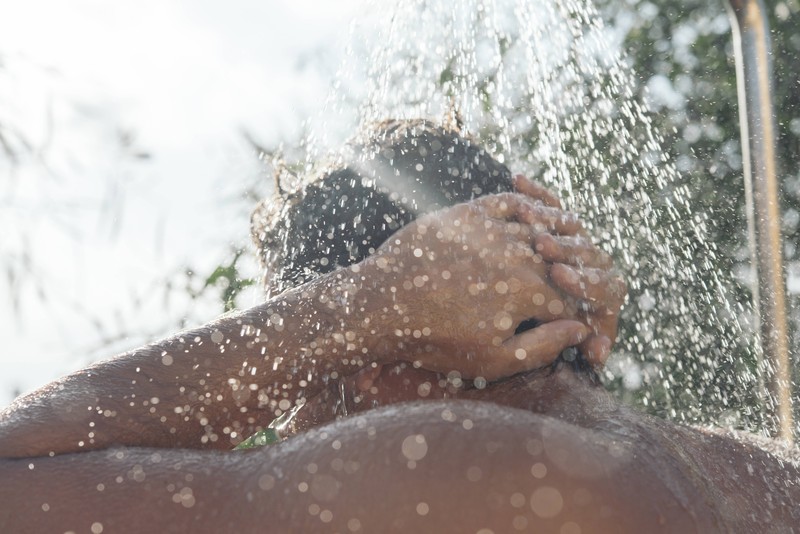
(538, 192)
(571, 249)
(502, 205)
(519, 259)
(603, 292)
(546, 219)
(601, 288)
(540, 218)
(538, 300)
(536, 348)
(512, 206)
(596, 349)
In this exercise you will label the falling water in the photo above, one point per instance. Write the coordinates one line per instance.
(541, 86)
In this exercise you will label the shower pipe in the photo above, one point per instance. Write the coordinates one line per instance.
(752, 49)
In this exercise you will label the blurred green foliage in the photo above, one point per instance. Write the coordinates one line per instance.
(686, 48)
(682, 59)
(227, 278)
(697, 365)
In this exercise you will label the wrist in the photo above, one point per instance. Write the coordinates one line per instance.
(402, 303)
(344, 316)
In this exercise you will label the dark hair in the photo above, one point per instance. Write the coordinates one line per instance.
(395, 172)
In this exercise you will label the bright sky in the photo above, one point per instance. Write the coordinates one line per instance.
(101, 228)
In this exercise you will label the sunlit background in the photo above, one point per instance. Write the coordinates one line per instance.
(136, 138)
(128, 153)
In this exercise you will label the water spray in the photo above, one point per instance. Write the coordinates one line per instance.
(757, 121)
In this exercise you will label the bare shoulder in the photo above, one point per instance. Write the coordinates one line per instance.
(781, 450)
(439, 466)
(435, 466)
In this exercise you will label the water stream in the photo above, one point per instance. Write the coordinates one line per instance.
(545, 87)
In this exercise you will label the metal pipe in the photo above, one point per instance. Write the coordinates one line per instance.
(757, 121)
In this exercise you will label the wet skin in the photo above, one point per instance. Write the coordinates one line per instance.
(625, 471)
(551, 453)
(546, 451)
(195, 390)
(208, 387)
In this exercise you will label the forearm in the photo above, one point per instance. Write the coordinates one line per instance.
(283, 488)
(447, 292)
(205, 387)
(120, 490)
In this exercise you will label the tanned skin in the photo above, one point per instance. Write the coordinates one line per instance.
(545, 450)
(185, 391)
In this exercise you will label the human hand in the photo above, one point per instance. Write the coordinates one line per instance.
(584, 272)
(462, 280)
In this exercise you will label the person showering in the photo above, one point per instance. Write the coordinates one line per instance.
(448, 331)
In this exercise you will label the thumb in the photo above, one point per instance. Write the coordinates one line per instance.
(538, 347)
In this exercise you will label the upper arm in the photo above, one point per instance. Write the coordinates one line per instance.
(423, 467)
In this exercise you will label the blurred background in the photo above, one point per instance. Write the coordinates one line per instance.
(129, 163)
(135, 139)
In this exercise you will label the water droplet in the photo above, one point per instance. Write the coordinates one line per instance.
(326, 516)
(547, 502)
(217, 337)
(539, 470)
(474, 474)
(555, 306)
(414, 447)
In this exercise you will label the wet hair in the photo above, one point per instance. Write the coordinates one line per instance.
(394, 172)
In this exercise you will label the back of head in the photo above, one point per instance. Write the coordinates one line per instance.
(395, 172)
(390, 175)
